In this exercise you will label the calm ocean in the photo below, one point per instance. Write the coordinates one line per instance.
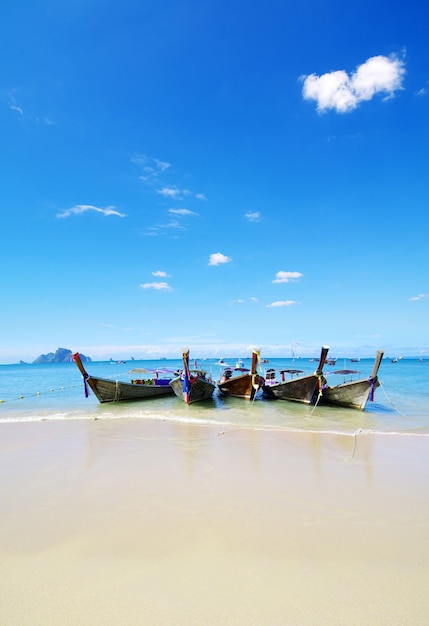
(55, 392)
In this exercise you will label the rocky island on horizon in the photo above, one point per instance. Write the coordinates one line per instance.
(62, 355)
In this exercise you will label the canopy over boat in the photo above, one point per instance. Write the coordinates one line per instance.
(156, 370)
(344, 372)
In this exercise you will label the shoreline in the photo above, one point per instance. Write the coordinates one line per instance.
(132, 521)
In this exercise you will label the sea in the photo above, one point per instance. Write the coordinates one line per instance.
(55, 391)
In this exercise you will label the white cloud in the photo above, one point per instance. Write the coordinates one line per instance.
(243, 301)
(420, 296)
(287, 277)
(150, 167)
(253, 217)
(159, 286)
(179, 194)
(181, 212)
(218, 258)
(343, 92)
(15, 107)
(280, 303)
(169, 192)
(160, 274)
(83, 208)
(161, 230)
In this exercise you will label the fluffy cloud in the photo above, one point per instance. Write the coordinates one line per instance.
(169, 192)
(160, 274)
(343, 92)
(253, 216)
(420, 296)
(280, 303)
(218, 258)
(287, 277)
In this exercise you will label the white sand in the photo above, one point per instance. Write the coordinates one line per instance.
(123, 522)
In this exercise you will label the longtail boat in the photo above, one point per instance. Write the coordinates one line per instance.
(193, 385)
(246, 384)
(298, 388)
(353, 394)
(155, 384)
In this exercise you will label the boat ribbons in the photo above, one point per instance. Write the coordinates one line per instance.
(85, 385)
(372, 382)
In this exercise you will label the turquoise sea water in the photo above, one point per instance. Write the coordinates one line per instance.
(55, 392)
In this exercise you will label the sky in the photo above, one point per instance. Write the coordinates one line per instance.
(214, 175)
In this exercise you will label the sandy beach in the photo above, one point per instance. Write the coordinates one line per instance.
(136, 522)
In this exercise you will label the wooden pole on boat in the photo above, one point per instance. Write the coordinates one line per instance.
(377, 362)
(76, 358)
(323, 355)
(255, 359)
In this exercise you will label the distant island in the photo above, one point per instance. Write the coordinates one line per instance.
(62, 355)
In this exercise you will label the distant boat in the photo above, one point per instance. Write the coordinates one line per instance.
(331, 361)
(192, 385)
(246, 384)
(355, 360)
(299, 389)
(355, 393)
(155, 384)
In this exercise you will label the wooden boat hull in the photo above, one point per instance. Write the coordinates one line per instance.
(107, 390)
(199, 389)
(353, 395)
(302, 389)
(243, 386)
(192, 385)
(116, 391)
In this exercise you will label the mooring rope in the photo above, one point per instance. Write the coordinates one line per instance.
(37, 394)
(390, 401)
(117, 394)
(320, 382)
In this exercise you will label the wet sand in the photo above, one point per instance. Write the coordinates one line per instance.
(113, 522)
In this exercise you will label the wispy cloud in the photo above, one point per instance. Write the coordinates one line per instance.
(161, 286)
(218, 259)
(243, 301)
(17, 107)
(150, 167)
(179, 194)
(343, 92)
(420, 296)
(287, 277)
(83, 208)
(422, 91)
(280, 303)
(181, 212)
(14, 106)
(253, 216)
(163, 229)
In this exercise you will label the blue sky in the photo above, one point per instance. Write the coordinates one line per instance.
(214, 175)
